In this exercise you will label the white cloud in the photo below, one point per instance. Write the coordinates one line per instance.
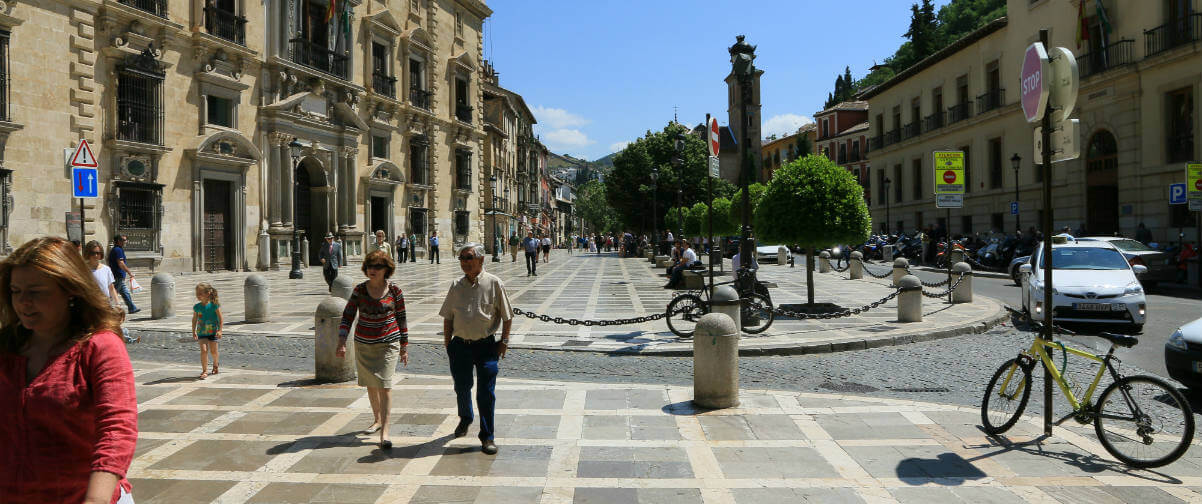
(618, 146)
(556, 118)
(564, 139)
(783, 124)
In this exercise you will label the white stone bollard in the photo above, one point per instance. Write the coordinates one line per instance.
(909, 301)
(782, 256)
(342, 287)
(726, 300)
(963, 292)
(901, 267)
(304, 256)
(957, 255)
(856, 265)
(256, 292)
(716, 362)
(887, 253)
(327, 366)
(162, 296)
(824, 261)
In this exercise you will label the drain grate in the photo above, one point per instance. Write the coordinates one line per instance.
(920, 389)
(848, 387)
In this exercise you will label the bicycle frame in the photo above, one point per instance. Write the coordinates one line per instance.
(1040, 348)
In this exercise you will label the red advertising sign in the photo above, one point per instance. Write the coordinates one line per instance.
(1034, 84)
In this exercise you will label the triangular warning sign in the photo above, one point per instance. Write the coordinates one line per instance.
(83, 156)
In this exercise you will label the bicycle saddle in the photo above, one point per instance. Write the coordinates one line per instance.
(1122, 340)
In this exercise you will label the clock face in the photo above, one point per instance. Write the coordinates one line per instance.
(135, 167)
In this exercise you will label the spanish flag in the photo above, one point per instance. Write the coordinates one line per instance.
(334, 4)
(1082, 24)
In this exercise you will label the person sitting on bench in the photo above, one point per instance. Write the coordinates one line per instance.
(688, 259)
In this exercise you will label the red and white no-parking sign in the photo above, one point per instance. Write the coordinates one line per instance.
(714, 139)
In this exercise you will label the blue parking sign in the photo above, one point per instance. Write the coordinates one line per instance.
(84, 182)
(1013, 208)
(1177, 194)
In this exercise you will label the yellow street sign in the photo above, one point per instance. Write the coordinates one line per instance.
(1193, 180)
(949, 172)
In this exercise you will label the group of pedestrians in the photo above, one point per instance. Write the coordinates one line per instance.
(532, 246)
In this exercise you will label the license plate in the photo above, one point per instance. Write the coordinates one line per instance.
(1093, 306)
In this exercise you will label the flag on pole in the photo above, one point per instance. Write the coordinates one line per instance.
(1082, 27)
(1104, 31)
(330, 11)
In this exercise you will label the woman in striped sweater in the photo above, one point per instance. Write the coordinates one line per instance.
(381, 336)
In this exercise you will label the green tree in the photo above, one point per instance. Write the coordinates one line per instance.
(813, 203)
(592, 206)
(924, 31)
(672, 219)
(632, 170)
(736, 204)
(695, 219)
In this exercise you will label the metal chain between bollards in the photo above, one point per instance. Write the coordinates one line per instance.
(949, 289)
(591, 323)
(845, 268)
(828, 315)
(864, 268)
(936, 284)
(977, 265)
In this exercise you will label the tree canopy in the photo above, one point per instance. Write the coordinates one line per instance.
(736, 203)
(592, 207)
(813, 203)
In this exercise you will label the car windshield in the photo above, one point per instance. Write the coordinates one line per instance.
(1131, 246)
(1086, 258)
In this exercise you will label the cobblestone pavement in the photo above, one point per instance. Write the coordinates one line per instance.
(257, 437)
(596, 286)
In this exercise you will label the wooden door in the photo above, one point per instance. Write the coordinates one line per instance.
(216, 223)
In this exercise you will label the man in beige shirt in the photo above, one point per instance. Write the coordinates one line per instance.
(475, 307)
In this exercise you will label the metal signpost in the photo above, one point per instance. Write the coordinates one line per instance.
(85, 181)
(713, 143)
(949, 194)
(1193, 192)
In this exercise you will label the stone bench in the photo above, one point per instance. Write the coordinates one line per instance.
(693, 279)
(663, 261)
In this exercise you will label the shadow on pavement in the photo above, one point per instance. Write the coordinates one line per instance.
(949, 468)
(1086, 462)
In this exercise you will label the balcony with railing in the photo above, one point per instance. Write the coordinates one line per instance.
(1115, 55)
(463, 179)
(156, 7)
(317, 56)
(992, 99)
(419, 98)
(419, 172)
(225, 24)
(876, 142)
(463, 113)
(383, 84)
(892, 137)
(933, 121)
(957, 113)
(1177, 32)
(911, 130)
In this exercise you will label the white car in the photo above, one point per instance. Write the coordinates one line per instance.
(1091, 282)
(767, 253)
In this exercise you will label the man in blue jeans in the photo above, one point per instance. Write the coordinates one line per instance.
(434, 248)
(120, 271)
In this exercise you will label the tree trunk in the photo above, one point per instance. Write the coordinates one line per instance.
(810, 275)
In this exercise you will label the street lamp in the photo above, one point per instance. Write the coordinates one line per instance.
(678, 162)
(492, 184)
(1015, 162)
(655, 207)
(887, 184)
(294, 150)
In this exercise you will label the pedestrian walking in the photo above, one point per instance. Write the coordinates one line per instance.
(531, 246)
(92, 252)
(68, 408)
(206, 326)
(402, 247)
(381, 337)
(121, 273)
(434, 248)
(380, 243)
(412, 247)
(331, 258)
(475, 308)
(546, 248)
(514, 244)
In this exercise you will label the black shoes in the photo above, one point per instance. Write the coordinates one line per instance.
(461, 429)
(488, 447)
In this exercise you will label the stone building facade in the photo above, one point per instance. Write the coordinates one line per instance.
(843, 138)
(230, 132)
(1138, 108)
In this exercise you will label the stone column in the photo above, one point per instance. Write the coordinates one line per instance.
(340, 199)
(276, 179)
(352, 185)
(287, 184)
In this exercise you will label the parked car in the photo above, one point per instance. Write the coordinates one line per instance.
(767, 253)
(1183, 355)
(1091, 282)
(1160, 264)
(1013, 268)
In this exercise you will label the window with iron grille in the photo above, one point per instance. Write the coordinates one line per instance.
(462, 220)
(1180, 114)
(916, 167)
(4, 84)
(967, 169)
(6, 206)
(463, 170)
(995, 163)
(897, 184)
(419, 168)
(379, 146)
(137, 216)
(139, 106)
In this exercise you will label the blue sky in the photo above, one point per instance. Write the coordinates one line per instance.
(598, 74)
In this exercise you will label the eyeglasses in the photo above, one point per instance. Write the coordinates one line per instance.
(375, 266)
(467, 258)
(95, 253)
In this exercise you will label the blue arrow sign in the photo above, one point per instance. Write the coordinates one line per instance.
(84, 182)
(1013, 208)
(1176, 194)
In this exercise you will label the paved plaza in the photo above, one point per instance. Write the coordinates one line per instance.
(265, 437)
(594, 286)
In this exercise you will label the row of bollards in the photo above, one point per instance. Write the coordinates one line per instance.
(256, 292)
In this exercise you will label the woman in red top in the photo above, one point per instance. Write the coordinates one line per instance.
(381, 336)
(68, 411)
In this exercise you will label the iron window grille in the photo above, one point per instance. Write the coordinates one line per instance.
(1180, 138)
(139, 101)
(462, 221)
(225, 24)
(463, 113)
(419, 163)
(419, 98)
(463, 170)
(138, 215)
(156, 7)
(383, 83)
(318, 57)
(4, 82)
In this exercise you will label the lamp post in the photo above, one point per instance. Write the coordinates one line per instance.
(655, 207)
(678, 163)
(1015, 162)
(294, 150)
(742, 59)
(887, 184)
(492, 184)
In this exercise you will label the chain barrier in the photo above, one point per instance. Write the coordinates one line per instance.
(948, 291)
(845, 268)
(936, 284)
(977, 265)
(827, 315)
(864, 268)
(591, 323)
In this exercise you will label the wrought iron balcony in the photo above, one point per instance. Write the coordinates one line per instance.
(957, 113)
(419, 98)
(933, 121)
(463, 113)
(316, 56)
(225, 24)
(892, 137)
(420, 173)
(1115, 55)
(876, 142)
(1175, 33)
(992, 99)
(156, 7)
(911, 130)
(383, 84)
(463, 180)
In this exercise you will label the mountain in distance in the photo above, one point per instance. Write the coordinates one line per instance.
(605, 164)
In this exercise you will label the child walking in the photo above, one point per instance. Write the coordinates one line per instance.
(206, 325)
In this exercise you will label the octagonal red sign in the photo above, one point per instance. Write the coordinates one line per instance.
(1034, 82)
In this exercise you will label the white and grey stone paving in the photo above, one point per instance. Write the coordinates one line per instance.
(268, 437)
(594, 286)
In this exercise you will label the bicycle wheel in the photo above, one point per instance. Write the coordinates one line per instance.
(1006, 397)
(683, 313)
(756, 309)
(1144, 422)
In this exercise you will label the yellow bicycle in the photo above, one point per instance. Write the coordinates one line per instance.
(1141, 420)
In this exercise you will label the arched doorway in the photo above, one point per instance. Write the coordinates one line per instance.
(312, 204)
(304, 212)
(1101, 180)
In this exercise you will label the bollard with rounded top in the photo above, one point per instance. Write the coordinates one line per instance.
(901, 267)
(824, 261)
(716, 362)
(162, 296)
(856, 265)
(304, 252)
(909, 301)
(256, 292)
(726, 300)
(887, 253)
(327, 366)
(957, 255)
(963, 292)
(342, 287)
(782, 256)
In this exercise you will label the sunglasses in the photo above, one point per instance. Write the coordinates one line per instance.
(376, 266)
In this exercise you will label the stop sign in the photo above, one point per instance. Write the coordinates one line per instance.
(1034, 84)
(714, 142)
(1198, 185)
(949, 177)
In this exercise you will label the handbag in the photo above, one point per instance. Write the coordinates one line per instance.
(134, 286)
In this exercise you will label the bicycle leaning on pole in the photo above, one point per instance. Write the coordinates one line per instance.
(1141, 420)
(686, 308)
